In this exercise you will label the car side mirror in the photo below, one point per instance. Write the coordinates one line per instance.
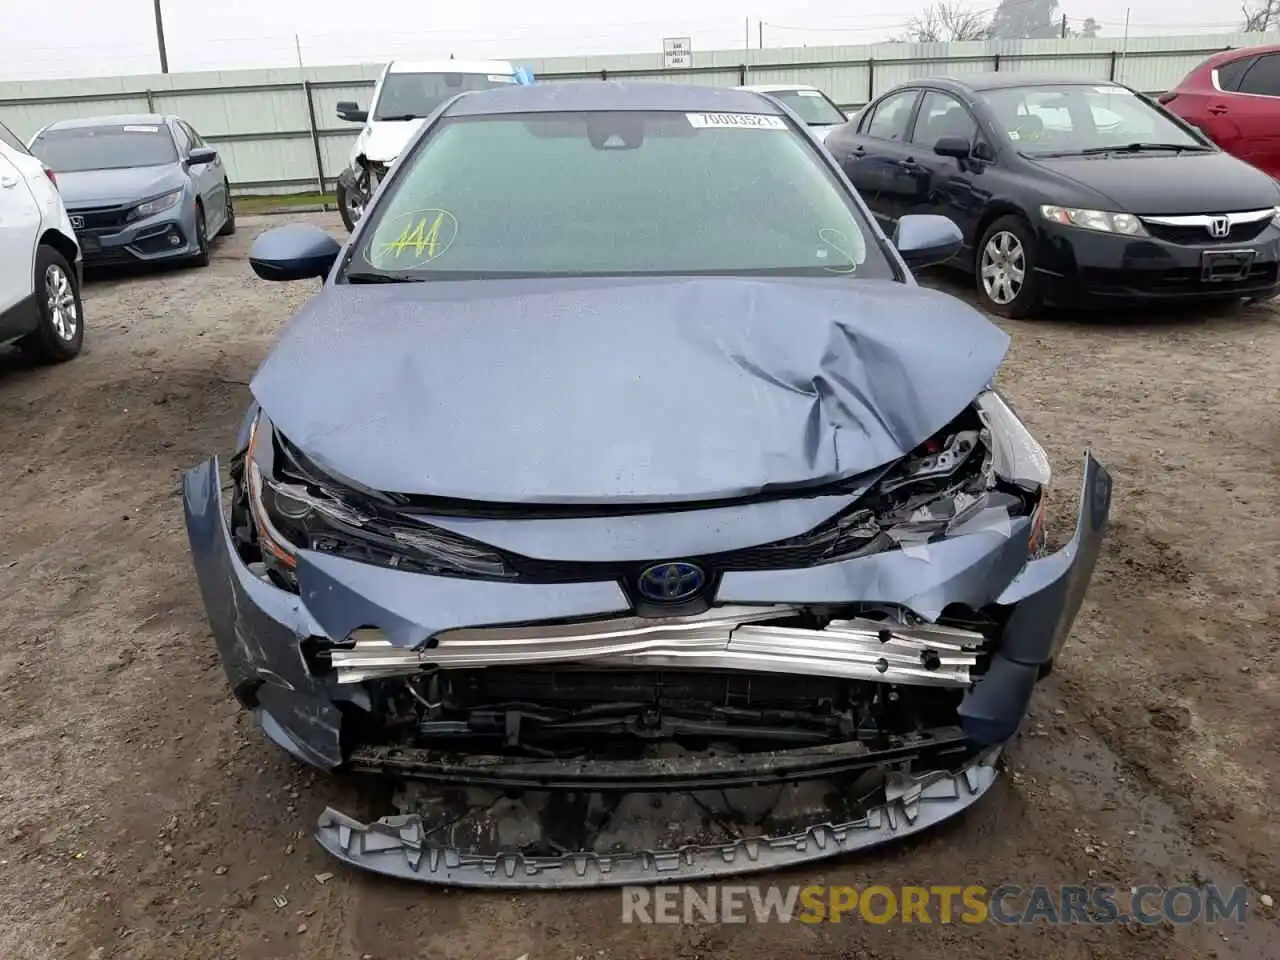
(298, 251)
(350, 110)
(927, 239)
(958, 147)
(199, 155)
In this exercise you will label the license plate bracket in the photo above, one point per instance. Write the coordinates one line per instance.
(1223, 266)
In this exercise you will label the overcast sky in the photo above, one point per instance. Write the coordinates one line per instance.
(76, 38)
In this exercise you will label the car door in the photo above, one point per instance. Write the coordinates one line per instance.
(1246, 121)
(873, 157)
(950, 186)
(19, 230)
(212, 180)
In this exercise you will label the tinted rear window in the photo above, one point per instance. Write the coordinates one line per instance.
(1263, 77)
(105, 148)
(574, 194)
(1230, 74)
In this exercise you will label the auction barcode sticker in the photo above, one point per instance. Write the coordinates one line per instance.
(752, 121)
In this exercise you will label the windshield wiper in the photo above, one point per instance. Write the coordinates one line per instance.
(398, 116)
(369, 276)
(1143, 148)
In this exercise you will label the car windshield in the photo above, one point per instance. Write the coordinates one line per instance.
(406, 96)
(114, 147)
(615, 194)
(1066, 119)
(811, 106)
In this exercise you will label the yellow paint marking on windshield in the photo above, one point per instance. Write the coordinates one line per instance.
(419, 237)
(424, 236)
(837, 241)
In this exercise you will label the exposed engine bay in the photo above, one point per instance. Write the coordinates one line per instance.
(695, 674)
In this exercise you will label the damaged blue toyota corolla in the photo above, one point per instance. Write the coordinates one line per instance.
(622, 497)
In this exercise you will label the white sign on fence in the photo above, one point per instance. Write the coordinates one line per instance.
(677, 53)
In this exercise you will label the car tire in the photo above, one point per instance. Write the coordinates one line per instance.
(1004, 269)
(229, 226)
(60, 334)
(345, 197)
(201, 257)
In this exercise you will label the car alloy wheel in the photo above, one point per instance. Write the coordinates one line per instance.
(355, 205)
(64, 316)
(1004, 268)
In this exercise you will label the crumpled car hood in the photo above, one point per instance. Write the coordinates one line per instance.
(603, 390)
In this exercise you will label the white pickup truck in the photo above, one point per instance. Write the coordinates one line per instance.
(406, 94)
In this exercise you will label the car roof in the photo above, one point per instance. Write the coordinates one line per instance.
(450, 66)
(113, 120)
(595, 95)
(1240, 53)
(776, 87)
(1002, 80)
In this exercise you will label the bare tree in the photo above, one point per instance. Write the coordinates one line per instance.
(1259, 19)
(946, 21)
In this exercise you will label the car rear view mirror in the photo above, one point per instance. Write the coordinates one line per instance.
(982, 151)
(957, 147)
(298, 251)
(350, 110)
(199, 155)
(926, 239)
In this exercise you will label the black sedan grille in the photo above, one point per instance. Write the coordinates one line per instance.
(99, 218)
(1199, 237)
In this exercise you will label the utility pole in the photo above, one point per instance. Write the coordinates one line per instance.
(164, 56)
(1064, 26)
(760, 26)
(746, 36)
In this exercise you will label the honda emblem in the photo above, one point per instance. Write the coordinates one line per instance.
(77, 223)
(1219, 227)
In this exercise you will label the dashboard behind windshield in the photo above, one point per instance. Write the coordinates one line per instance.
(1069, 118)
(616, 194)
(811, 106)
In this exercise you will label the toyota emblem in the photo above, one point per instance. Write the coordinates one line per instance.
(671, 582)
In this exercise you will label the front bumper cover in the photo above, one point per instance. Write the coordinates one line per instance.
(259, 631)
(402, 847)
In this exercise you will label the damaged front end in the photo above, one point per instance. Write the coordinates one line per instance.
(569, 708)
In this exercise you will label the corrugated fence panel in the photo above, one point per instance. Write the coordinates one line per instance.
(262, 123)
(243, 113)
(26, 119)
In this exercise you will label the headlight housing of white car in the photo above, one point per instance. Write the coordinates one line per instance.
(1103, 221)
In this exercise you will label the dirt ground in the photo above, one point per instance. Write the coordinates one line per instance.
(141, 814)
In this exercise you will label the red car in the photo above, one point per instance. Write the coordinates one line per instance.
(1234, 97)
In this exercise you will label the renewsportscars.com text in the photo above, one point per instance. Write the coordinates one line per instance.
(939, 904)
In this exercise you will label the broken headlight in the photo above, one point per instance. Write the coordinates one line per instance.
(292, 508)
(1017, 457)
(978, 473)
